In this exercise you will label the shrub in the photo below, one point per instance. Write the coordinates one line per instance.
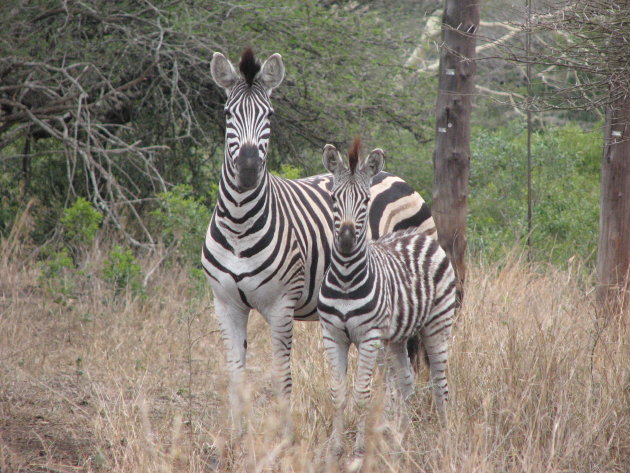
(182, 220)
(565, 184)
(122, 270)
(289, 171)
(57, 274)
(80, 223)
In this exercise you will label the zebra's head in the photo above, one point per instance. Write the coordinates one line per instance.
(351, 193)
(247, 113)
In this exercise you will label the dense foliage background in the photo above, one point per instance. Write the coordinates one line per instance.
(113, 102)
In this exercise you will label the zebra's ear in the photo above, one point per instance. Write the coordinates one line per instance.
(272, 72)
(373, 164)
(223, 72)
(332, 159)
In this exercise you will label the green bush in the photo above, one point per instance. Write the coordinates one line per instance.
(57, 274)
(565, 185)
(122, 270)
(80, 222)
(182, 220)
(289, 171)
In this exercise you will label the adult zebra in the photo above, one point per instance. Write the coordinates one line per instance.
(388, 290)
(268, 243)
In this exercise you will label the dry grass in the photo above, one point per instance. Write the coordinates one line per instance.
(130, 384)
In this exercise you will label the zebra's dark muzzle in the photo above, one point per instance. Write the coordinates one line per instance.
(248, 178)
(248, 167)
(346, 238)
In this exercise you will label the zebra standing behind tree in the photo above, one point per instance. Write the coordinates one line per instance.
(386, 290)
(268, 243)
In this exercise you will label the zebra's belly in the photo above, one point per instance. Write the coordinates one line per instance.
(354, 319)
(261, 282)
(355, 329)
(403, 323)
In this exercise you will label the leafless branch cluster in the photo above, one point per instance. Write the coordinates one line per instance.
(581, 50)
(122, 91)
(85, 76)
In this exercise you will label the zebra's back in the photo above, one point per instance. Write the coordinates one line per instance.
(419, 281)
(394, 206)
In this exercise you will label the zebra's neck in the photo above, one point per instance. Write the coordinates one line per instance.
(354, 268)
(237, 211)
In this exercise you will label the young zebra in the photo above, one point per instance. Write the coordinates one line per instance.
(385, 290)
(268, 243)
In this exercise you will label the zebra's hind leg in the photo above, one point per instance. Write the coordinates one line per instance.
(400, 373)
(336, 345)
(233, 326)
(368, 352)
(435, 337)
(400, 386)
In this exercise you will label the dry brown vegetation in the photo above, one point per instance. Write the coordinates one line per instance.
(123, 383)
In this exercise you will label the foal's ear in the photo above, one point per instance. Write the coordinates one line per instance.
(272, 72)
(332, 159)
(373, 164)
(223, 72)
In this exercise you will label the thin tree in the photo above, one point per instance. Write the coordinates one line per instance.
(451, 160)
(613, 255)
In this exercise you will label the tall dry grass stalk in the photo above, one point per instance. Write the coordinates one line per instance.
(124, 383)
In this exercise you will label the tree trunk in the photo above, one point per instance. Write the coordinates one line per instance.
(613, 256)
(451, 161)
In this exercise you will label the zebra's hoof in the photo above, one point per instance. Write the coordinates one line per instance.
(355, 463)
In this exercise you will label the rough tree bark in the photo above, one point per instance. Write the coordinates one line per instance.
(613, 256)
(451, 160)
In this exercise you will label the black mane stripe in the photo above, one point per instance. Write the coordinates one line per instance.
(249, 66)
(353, 154)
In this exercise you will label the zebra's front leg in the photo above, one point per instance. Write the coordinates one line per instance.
(233, 325)
(336, 345)
(280, 319)
(368, 352)
(281, 342)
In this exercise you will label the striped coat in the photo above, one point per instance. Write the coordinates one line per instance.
(386, 290)
(268, 243)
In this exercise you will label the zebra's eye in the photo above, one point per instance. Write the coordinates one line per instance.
(270, 113)
(227, 113)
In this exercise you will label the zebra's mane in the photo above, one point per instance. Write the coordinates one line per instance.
(249, 66)
(353, 154)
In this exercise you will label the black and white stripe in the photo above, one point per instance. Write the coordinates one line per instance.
(380, 291)
(268, 243)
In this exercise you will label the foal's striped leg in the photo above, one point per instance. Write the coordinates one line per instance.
(400, 371)
(336, 345)
(368, 352)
